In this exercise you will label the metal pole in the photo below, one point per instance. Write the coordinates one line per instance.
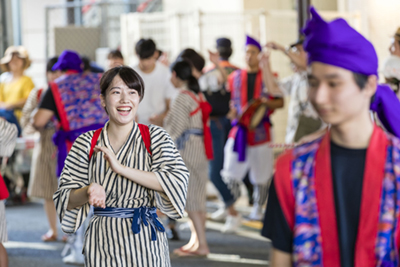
(16, 15)
(46, 33)
(303, 14)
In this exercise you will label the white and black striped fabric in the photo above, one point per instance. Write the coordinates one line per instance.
(176, 123)
(110, 241)
(8, 138)
(3, 224)
(43, 181)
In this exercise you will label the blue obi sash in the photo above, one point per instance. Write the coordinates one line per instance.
(180, 142)
(145, 215)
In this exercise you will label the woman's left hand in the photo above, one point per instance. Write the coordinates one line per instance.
(115, 165)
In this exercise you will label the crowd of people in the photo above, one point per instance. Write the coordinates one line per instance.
(121, 147)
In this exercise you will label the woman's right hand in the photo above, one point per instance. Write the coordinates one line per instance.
(97, 196)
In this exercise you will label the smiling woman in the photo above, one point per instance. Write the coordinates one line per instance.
(125, 180)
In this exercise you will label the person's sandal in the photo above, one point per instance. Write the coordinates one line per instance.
(49, 238)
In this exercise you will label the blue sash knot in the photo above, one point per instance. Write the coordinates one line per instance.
(145, 215)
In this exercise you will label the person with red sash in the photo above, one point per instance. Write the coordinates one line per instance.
(8, 138)
(188, 124)
(335, 201)
(43, 180)
(247, 149)
(73, 101)
(126, 171)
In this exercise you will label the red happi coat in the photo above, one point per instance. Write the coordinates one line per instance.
(237, 82)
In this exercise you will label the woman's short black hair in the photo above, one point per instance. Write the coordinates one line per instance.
(130, 77)
(194, 58)
(115, 54)
(145, 48)
(50, 63)
(361, 79)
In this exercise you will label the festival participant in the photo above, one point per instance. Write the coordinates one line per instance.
(159, 89)
(247, 149)
(335, 201)
(188, 124)
(212, 83)
(125, 170)
(43, 182)
(8, 138)
(302, 118)
(73, 101)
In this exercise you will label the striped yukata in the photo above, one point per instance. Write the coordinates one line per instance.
(191, 146)
(8, 138)
(110, 241)
(43, 179)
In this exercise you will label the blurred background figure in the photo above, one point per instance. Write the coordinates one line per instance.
(156, 77)
(212, 83)
(15, 88)
(187, 123)
(43, 181)
(115, 59)
(302, 118)
(391, 67)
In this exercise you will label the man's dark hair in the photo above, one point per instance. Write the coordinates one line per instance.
(130, 77)
(115, 54)
(50, 64)
(194, 58)
(224, 52)
(86, 63)
(361, 79)
(145, 48)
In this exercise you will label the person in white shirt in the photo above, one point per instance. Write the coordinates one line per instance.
(156, 77)
(302, 118)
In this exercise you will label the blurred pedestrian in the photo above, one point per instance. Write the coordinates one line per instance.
(43, 181)
(156, 76)
(188, 124)
(247, 149)
(302, 118)
(16, 86)
(213, 85)
(73, 101)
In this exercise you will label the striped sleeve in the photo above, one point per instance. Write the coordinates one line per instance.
(178, 120)
(75, 175)
(30, 105)
(171, 172)
(8, 138)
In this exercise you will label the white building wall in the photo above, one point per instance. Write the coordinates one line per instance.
(33, 36)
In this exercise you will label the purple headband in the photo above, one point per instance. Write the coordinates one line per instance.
(68, 60)
(252, 41)
(336, 43)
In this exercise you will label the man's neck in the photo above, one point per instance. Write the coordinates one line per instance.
(252, 69)
(355, 133)
(150, 70)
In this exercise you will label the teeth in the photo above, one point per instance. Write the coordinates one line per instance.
(124, 109)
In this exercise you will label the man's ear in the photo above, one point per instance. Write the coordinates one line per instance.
(371, 85)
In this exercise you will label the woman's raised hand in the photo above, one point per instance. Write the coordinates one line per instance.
(97, 195)
(110, 157)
